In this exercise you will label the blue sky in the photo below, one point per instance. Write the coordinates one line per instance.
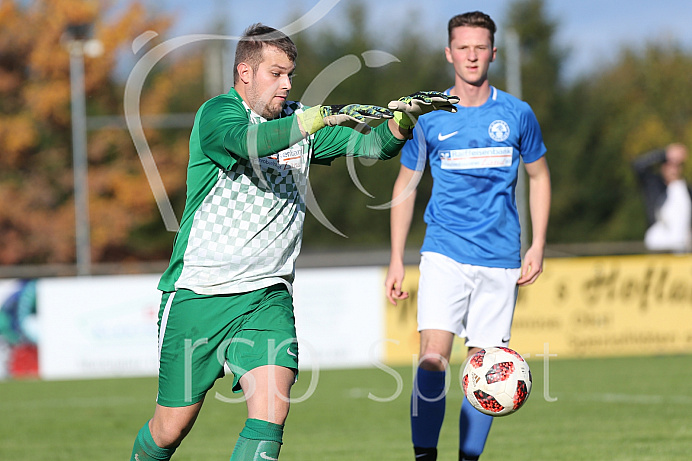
(593, 30)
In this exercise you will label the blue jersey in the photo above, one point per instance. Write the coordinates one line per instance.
(474, 159)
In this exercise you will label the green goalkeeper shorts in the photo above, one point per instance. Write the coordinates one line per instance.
(199, 334)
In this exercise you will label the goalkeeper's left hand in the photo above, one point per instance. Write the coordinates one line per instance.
(409, 108)
(354, 116)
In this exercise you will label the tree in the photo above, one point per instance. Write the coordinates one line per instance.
(36, 203)
(417, 66)
(541, 58)
(592, 128)
(595, 125)
(639, 103)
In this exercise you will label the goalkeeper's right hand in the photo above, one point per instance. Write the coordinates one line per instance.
(410, 108)
(354, 116)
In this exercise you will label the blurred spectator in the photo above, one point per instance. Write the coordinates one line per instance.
(667, 197)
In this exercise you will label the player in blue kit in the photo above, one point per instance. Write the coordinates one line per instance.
(471, 264)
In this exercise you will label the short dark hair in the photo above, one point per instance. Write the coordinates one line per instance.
(254, 40)
(472, 19)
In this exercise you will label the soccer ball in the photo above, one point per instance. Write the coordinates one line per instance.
(496, 381)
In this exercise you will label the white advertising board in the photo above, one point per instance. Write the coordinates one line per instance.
(94, 327)
(91, 327)
(339, 316)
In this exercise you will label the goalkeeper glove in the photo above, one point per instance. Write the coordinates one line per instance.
(409, 108)
(354, 116)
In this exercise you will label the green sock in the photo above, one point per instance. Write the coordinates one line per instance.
(259, 440)
(145, 449)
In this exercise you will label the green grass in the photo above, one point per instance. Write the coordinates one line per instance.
(606, 409)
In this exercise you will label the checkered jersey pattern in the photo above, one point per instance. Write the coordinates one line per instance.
(247, 232)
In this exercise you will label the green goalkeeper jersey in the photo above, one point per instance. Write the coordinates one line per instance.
(246, 182)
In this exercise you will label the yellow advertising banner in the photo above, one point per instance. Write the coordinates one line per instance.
(581, 307)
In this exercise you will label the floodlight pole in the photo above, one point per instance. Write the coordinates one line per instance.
(514, 86)
(79, 157)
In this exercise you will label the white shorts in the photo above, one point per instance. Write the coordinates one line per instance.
(473, 302)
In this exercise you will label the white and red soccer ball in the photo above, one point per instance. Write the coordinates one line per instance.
(496, 381)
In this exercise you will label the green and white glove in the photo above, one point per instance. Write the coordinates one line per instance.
(354, 116)
(410, 107)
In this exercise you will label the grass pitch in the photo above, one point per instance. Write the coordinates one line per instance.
(590, 409)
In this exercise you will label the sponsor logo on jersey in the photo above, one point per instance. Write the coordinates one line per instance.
(291, 158)
(484, 157)
(498, 130)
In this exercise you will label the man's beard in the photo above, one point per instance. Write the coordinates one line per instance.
(257, 104)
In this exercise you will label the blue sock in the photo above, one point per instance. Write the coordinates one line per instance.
(427, 407)
(474, 427)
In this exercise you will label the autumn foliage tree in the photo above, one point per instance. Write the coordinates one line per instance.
(37, 216)
(593, 126)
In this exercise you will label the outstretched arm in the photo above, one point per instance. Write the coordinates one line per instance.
(353, 116)
(385, 141)
(406, 112)
(539, 205)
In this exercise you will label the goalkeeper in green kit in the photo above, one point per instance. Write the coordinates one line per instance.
(227, 293)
